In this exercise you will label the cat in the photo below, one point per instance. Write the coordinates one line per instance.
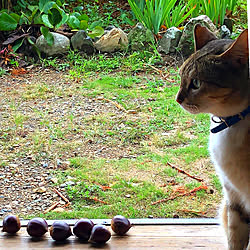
(215, 80)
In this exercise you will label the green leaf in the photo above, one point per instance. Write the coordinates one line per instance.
(83, 25)
(97, 31)
(46, 21)
(73, 22)
(45, 5)
(47, 35)
(83, 17)
(94, 24)
(15, 16)
(18, 44)
(59, 3)
(54, 16)
(64, 20)
(7, 22)
(34, 47)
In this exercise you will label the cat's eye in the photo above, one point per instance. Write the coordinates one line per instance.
(195, 84)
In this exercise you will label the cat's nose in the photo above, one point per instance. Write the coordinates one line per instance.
(179, 100)
(179, 97)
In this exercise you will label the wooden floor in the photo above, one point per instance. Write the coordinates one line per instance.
(147, 235)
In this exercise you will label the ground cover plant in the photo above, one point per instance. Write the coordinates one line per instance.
(102, 135)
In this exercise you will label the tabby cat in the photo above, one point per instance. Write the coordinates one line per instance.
(215, 80)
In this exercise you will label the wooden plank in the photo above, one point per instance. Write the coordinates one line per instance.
(139, 237)
(144, 221)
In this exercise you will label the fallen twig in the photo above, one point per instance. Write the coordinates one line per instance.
(53, 206)
(61, 195)
(104, 188)
(165, 76)
(97, 200)
(114, 103)
(184, 172)
(65, 205)
(202, 187)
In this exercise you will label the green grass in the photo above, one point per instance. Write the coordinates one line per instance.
(119, 125)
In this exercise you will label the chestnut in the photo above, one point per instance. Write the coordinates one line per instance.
(120, 225)
(60, 231)
(11, 224)
(37, 227)
(82, 229)
(100, 234)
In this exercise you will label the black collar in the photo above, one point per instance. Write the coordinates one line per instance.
(226, 122)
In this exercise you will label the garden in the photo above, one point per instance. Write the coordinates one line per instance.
(93, 130)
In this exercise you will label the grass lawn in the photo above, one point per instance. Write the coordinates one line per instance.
(116, 123)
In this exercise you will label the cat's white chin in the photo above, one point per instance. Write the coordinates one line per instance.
(193, 109)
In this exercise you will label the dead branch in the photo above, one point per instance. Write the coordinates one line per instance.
(97, 200)
(114, 103)
(184, 172)
(61, 195)
(202, 187)
(53, 206)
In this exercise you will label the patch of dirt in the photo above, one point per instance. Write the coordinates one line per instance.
(41, 126)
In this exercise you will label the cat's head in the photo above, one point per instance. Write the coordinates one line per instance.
(215, 78)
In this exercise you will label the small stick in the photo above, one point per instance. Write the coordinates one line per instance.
(65, 205)
(51, 207)
(161, 73)
(96, 199)
(104, 188)
(114, 103)
(61, 195)
(184, 172)
(202, 187)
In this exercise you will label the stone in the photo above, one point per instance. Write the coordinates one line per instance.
(39, 190)
(140, 37)
(61, 44)
(113, 40)
(59, 210)
(81, 41)
(186, 44)
(169, 41)
(225, 32)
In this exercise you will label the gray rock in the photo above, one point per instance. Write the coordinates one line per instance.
(225, 32)
(186, 44)
(61, 44)
(169, 41)
(140, 37)
(113, 40)
(81, 41)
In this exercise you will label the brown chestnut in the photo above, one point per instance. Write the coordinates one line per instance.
(100, 234)
(37, 227)
(11, 224)
(120, 225)
(60, 231)
(82, 229)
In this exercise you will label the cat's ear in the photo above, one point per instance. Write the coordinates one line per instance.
(238, 51)
(202, 36)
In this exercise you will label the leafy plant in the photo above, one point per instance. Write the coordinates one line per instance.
(154, 13)
(179, 13)
(215, 10)
(2, 71)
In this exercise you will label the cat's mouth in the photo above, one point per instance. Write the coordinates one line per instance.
(191, 108)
